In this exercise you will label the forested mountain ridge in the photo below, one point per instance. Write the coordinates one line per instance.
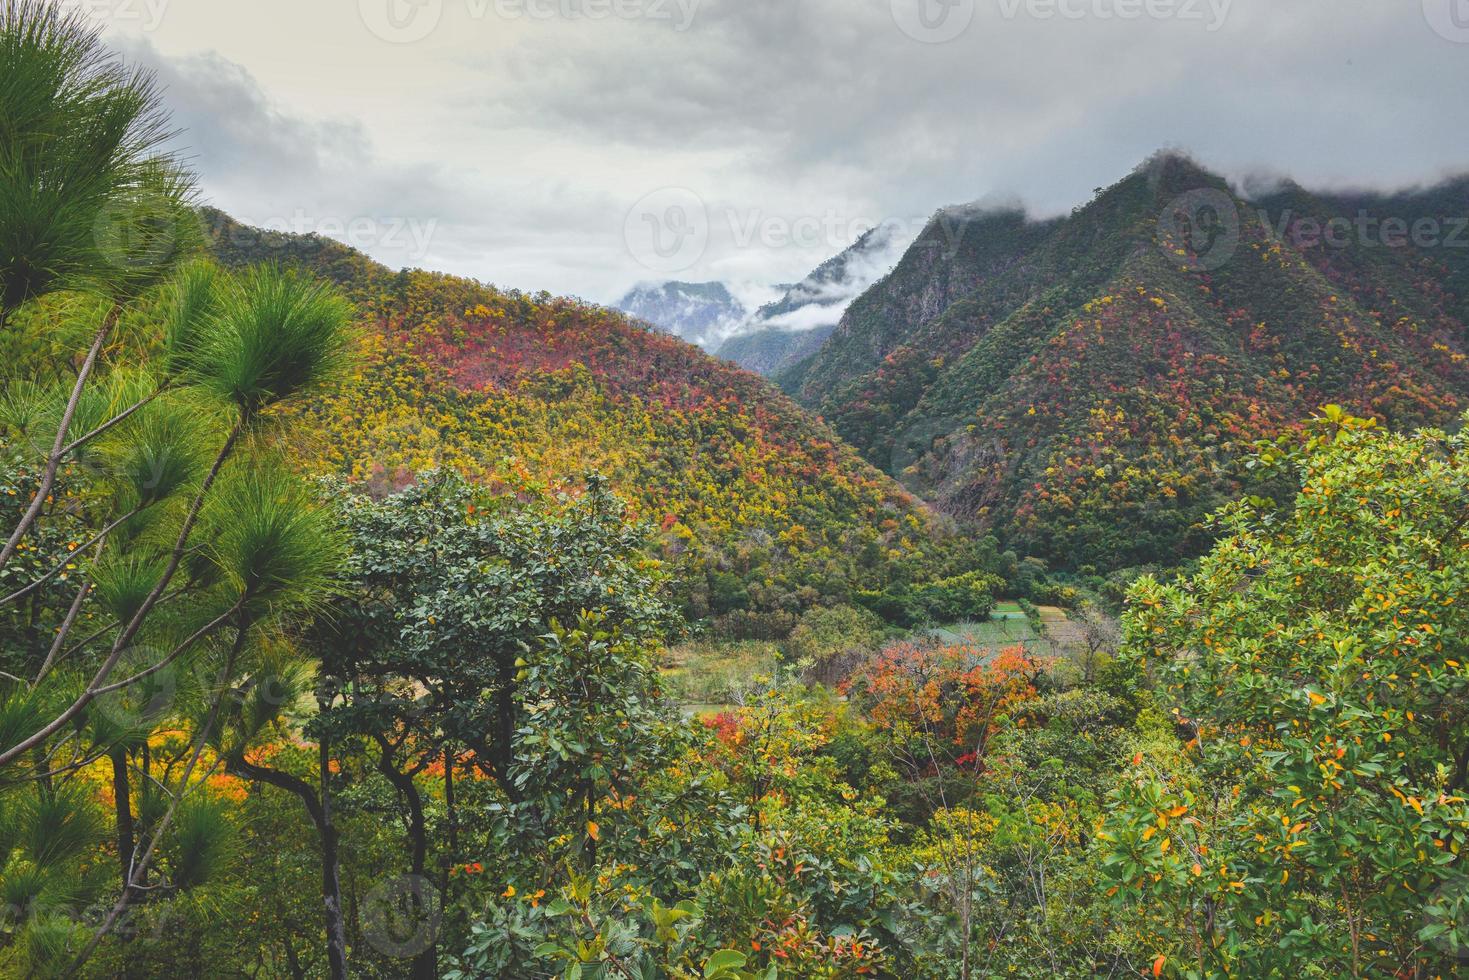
(1084, 385)
(765, 509)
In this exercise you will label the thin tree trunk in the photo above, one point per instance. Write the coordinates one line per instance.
(292, 960)
(122, 791)
(331, 879)
(425, 964)
(319, 810)
(452, 854)
(58, 450)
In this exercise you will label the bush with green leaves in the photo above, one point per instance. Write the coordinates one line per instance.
(1318, 671)
(968, 596)
(830, 640)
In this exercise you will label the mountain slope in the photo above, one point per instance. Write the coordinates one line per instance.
(774, 349)
(1085, 385)
(763, 509)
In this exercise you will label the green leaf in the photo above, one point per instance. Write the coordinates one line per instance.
(724, 961)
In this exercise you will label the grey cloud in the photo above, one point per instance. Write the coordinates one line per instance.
(530, 159)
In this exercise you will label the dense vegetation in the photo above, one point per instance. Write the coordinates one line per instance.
(763, 511)
(1088, 386)
(335, 616)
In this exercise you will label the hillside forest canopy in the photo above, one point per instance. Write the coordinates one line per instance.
(362, 623)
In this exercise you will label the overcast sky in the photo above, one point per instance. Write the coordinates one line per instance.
(580, 146)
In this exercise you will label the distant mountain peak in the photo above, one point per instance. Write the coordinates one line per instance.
(702, 313)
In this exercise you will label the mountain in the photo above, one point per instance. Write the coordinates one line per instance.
(700, 312)
(773, 349)
(821, 298)
(762, 510)
(781, 333)
(1086, 385)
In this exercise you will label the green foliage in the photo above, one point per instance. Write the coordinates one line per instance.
(44, 882)
(273, 336)
(520, 634)
(102, 206)
(970, 596)
(203, 846)
(277, 548)
(583, 935)
(1317, 662)
(834, 637)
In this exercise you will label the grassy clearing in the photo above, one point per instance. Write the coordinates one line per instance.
(707, 675)
(1001, 630)
(713, 675)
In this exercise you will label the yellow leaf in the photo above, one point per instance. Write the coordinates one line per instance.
(594, 831)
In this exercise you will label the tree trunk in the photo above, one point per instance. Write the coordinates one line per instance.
(122, 791)
(425, 964)
(126, 842)
(505, 718)
(320, 812)
(452, 854)
(331, 878)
